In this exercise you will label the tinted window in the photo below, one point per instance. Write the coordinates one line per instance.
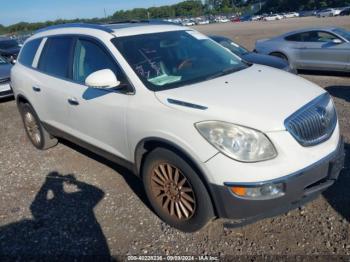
(295, 37)
(233, 47)
(2, 60)
(28, 52)
(300, 37)
(90, 57)
(55, 57)
(8, 44)
(325, 37)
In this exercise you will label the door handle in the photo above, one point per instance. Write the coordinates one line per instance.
(73, 101)
(36, 89)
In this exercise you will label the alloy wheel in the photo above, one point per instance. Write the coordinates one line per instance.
(173, 191)
(32, 128)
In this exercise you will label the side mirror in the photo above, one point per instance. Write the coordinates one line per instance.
(104, 79)
(337, 41)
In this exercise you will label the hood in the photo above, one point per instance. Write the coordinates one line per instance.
(265, 60)
(259, 97)
(5, 70)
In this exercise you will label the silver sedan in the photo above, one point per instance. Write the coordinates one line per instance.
(325, 49)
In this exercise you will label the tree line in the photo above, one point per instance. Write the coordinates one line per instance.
(189, 8)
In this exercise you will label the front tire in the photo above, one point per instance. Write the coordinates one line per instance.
(36, 133)
(175, 191)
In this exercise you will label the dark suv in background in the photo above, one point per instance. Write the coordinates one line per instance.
(9, 49)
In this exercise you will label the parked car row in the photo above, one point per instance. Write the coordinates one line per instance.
(262, 17)
(328, 12)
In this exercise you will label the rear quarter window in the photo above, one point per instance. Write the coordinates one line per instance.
(28, 52)
(294, 38)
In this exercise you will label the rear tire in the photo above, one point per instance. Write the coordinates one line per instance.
(175, 191)
(36, 133)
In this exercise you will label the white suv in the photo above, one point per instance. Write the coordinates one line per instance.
(210, 135)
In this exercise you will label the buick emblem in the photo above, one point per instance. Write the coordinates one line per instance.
(324, 119)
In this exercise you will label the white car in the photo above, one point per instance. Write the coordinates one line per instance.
(188, 23)
(208, 134)
(256, 18)
(328, 12)
(203, 22)
(291, 15)
(273, 17)
(222, 20)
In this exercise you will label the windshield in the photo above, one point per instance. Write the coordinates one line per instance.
(2, 60)
(7, 44)
(233, 47)
(343, 33)
(173, 59)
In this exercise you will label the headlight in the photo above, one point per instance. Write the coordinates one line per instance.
(238, 142)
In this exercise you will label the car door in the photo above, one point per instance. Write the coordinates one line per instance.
(52, 82)
(97, 116)
(320, 52)
(293, 44)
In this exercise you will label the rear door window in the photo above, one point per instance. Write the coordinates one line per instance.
(55, 58)
(300, 37)
(28, 52)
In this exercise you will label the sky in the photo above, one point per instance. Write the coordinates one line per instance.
(14, 11)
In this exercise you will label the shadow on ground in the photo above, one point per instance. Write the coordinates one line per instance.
(63, 222)
(130, 178)
(342, 92)
(338, 195)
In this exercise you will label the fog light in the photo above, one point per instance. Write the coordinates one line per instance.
(266, 191)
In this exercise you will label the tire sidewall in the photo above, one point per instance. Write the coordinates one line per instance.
(204, 210)
(28, 108)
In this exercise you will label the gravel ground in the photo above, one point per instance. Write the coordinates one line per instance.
(67, 201)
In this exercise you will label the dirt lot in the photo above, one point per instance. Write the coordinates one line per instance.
(39, 214)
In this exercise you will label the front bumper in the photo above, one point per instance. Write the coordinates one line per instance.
(300, 188)
(5, 90)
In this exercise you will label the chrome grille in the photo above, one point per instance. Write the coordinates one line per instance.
(313, 123)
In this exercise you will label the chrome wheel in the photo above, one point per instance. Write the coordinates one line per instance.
(32, 128)
(173, 191)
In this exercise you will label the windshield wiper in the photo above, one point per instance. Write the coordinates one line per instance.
(224, 72)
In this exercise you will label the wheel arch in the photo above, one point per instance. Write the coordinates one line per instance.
(280, 52)
(21, 99)
(147, 145)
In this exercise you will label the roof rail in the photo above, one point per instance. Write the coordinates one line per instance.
(76, 25)
(142, 21)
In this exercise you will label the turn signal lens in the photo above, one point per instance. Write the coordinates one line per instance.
(240, 191)
(267, 191)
